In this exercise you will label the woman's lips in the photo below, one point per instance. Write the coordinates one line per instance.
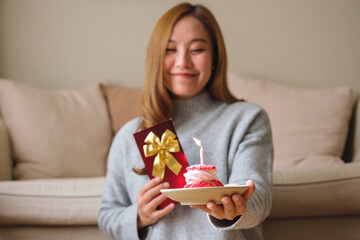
(184, 75)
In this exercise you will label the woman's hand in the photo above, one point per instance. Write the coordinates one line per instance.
(230, 207)
(149, 198)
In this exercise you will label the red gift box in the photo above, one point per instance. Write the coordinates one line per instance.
(162, 154)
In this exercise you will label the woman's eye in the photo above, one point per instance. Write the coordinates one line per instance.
(170, 50)
(198, 50)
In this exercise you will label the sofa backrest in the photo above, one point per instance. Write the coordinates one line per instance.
(310, 126)
(351, 152)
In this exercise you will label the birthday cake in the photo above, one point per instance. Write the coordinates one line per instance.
(201, 176)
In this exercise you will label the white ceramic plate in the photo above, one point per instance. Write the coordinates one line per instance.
(201, 196)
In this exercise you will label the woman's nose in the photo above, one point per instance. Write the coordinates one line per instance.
(183, 60)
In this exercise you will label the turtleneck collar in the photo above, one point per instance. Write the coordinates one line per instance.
(194, 107)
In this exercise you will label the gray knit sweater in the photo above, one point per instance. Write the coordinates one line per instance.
(236, 139)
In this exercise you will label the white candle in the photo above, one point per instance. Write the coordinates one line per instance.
(198, 142)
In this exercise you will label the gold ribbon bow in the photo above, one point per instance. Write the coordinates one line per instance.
(162, 149)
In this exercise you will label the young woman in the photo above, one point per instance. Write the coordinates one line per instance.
(186, 80)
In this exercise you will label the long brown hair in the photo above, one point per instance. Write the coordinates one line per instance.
(156, 101)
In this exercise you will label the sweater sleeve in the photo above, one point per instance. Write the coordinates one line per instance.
(117, 216)
(253, 159)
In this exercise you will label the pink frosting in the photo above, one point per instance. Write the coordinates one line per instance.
(195, 176)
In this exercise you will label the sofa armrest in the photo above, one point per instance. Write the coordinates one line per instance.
(356, 157)
(325, 191)
(60, 201)
(302, 176)
(5, 153)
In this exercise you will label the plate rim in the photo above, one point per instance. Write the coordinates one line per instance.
(202, 188)
(199, 189)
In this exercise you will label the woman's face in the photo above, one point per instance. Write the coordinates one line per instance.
(188, 59)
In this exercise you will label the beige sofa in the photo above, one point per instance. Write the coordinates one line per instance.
(53, 148)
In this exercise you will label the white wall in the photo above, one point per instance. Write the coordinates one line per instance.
(71, 43)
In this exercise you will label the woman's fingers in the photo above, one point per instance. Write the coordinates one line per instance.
(213, 209)
(149, 185)
(202, 207)
(151, 189)
(155, 202)
(151, 193)
(240, 204)
(231, 207)
(162, 212)
(216, 210)
(149, 198)
(251, 189)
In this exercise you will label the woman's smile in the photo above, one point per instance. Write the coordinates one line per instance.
(184, 75)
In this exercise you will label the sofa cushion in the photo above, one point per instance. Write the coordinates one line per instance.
(124, 104)
(5, 155)
(320, 191)
(309, 125)
(63, 133)
(86, 232)
(51, 201)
